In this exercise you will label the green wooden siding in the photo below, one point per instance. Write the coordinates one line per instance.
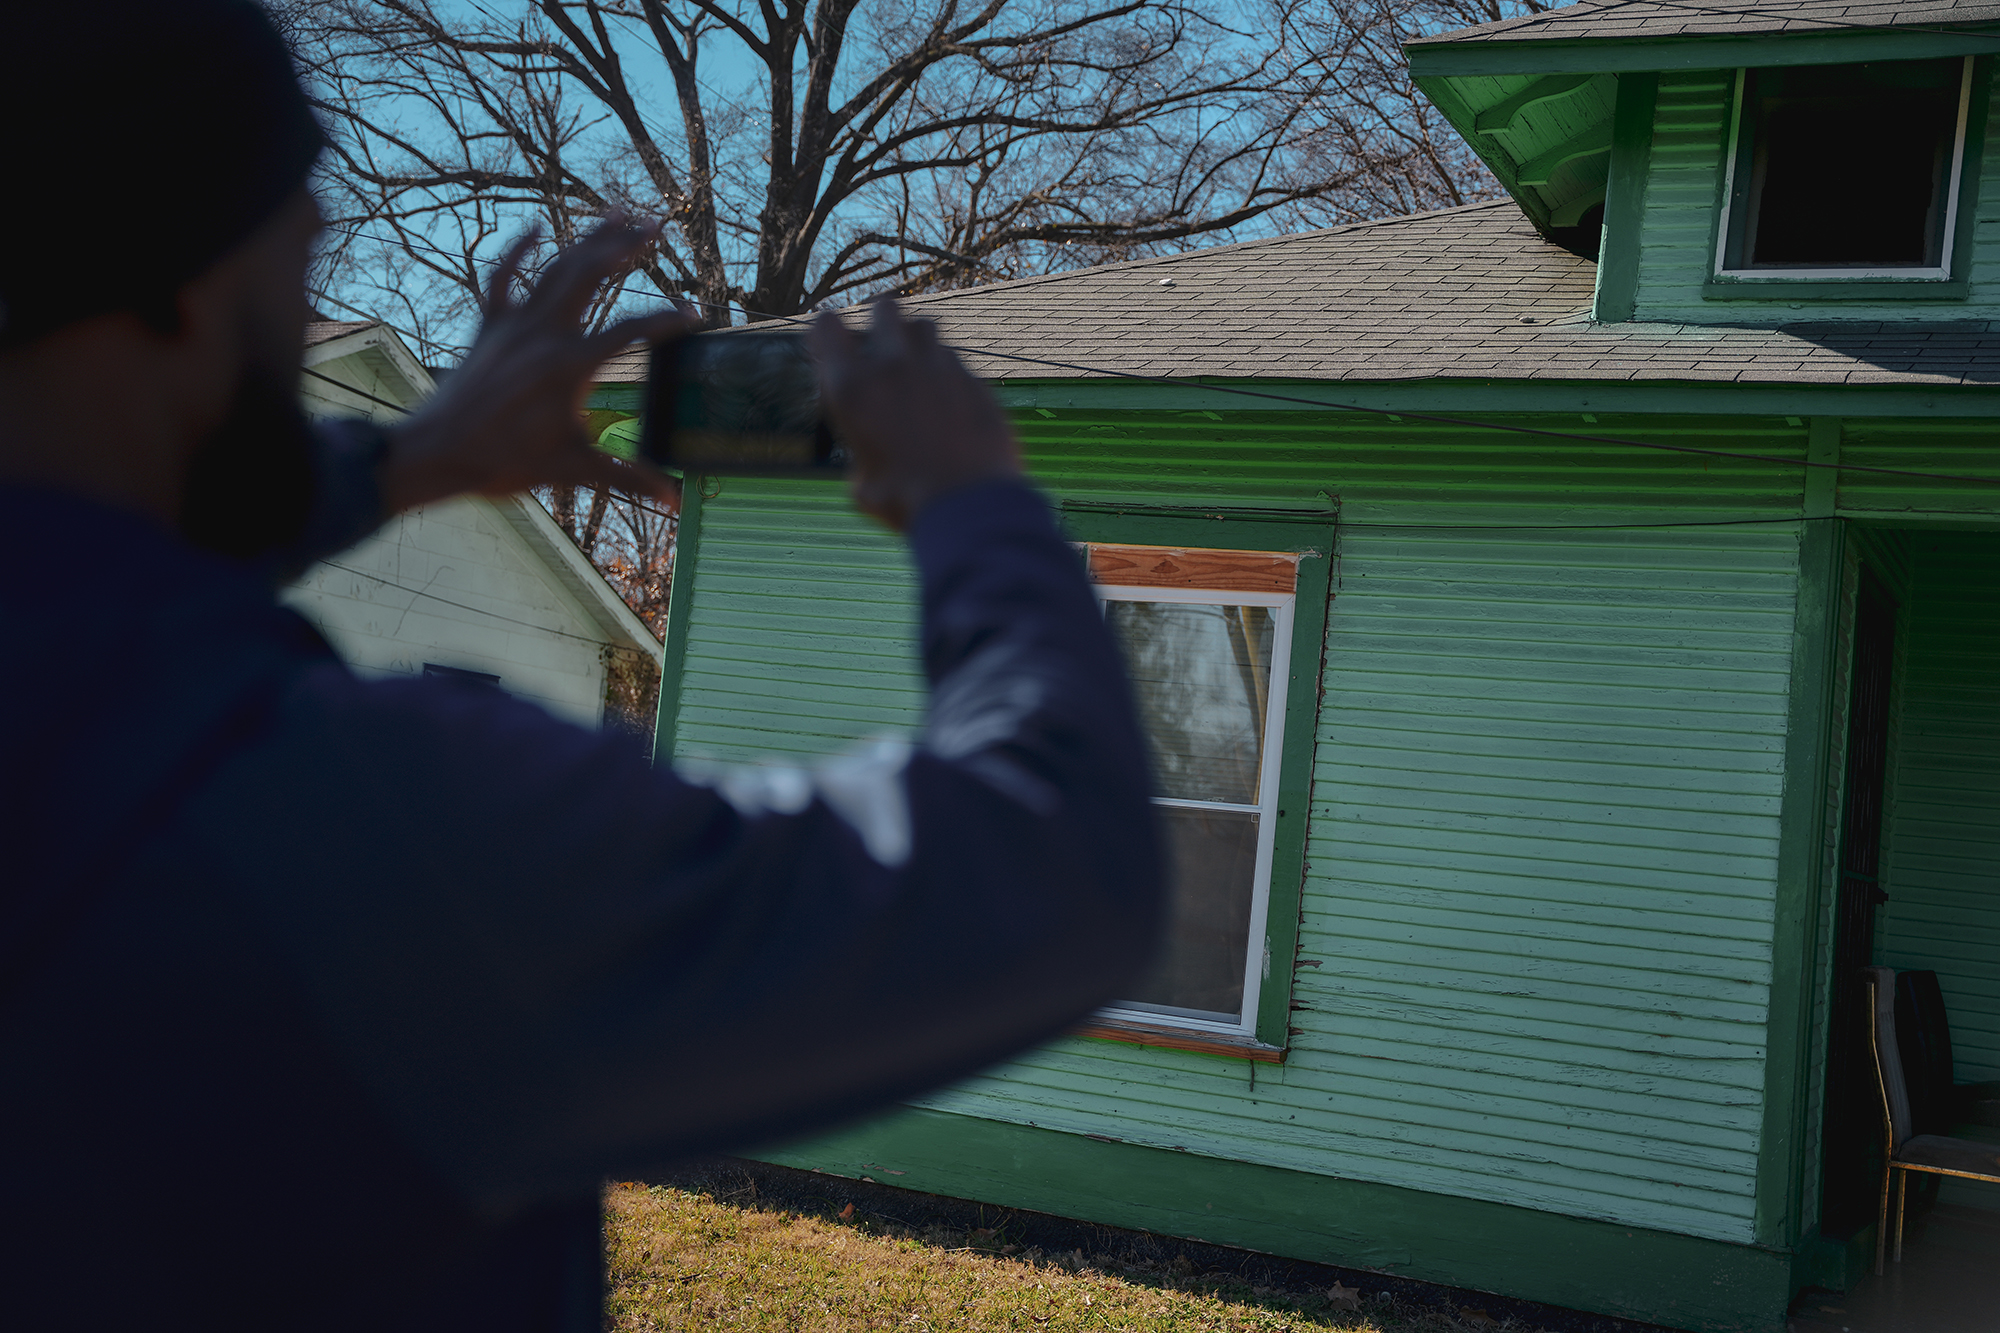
(1537, 916)
(1537, 928)
(1943, 868)
(1385, 469)
(802, 629)
(1683, 195)
(1958, 449)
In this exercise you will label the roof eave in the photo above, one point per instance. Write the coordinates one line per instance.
(1446, 58)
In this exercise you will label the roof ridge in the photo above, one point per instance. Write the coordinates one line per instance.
(1587, 21)
(1153, 261)
(322, 331)
(1518, 21)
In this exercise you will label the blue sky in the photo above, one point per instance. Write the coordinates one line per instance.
(726, 69)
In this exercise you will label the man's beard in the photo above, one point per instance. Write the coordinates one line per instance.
(250, 483)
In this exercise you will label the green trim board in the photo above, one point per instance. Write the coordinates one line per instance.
(1978, 115)
(1780, 289)
(1314, 542)
(1822, 491)
(616, 398)
(1598, 1266)
(1625, 198)
(1781, 1163)
(1467, 396)
(1442, 60)
(680, 603)
(1215, 393)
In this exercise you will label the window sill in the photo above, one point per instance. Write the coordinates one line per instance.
(1835, 289)
(1180, 1039)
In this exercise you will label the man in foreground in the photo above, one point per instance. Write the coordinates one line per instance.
(327, 1003)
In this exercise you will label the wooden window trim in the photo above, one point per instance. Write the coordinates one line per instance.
(1205, 568)
(1271, 560)
(1308, 542)
(1181, 1039)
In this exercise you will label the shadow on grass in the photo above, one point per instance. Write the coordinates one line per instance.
(1315, 1292)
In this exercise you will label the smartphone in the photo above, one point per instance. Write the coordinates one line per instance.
(738, 403)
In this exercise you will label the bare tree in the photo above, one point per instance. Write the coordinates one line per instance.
(631, 542)
(806, 152)
(803, 151)
(1373, 140)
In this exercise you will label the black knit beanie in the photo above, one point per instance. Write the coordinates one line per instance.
(140, 141)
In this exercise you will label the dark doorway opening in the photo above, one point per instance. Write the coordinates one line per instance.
(1852, 1142)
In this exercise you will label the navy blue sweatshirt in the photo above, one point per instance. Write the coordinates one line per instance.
(327, 1003)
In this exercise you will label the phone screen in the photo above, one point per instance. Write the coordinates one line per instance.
(738, 402)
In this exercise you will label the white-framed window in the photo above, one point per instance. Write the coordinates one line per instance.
(1846, 172)
(1209, 667)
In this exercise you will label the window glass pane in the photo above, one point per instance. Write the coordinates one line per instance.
(1202, 675)
(1850, 164)
(1200, 972)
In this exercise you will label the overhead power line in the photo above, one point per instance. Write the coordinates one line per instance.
(476, 610)
(1433, 418)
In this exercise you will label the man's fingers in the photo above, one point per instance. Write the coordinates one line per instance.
(635, 479)
(570, 282)
(656, 327)
(922, 335)
(500, 287)
(887, 332)
(833, 346)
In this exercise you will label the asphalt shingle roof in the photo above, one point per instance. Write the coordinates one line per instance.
(1469, 293)
(1602, 19)
(326, 330)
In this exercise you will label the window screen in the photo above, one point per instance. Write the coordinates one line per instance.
(1208, 675)
(1847, 167)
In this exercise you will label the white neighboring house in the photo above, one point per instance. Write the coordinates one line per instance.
(488, 590)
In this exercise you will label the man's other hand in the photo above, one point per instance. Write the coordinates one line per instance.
(915, 421)
(511, 416)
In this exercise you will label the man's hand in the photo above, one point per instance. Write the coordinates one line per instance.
(915, 421)
(511, 417)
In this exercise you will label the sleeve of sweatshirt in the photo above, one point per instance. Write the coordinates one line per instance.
(346, 503)
(550, 960)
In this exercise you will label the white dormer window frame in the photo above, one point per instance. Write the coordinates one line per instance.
(1948, 267)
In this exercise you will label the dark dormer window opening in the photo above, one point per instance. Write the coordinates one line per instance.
(1846, 171)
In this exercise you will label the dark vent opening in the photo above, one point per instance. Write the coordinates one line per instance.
(1586, 238)
(1849, 165)
(452, 675)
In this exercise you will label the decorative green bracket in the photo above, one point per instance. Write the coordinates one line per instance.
(1537, 169)
(1503, 115)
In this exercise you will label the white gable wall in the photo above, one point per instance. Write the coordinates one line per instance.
(452, 584)
(480, 585)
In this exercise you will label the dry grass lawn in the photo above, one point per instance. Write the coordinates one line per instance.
(682, 1260)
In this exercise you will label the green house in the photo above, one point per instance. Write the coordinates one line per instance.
(1561, 620)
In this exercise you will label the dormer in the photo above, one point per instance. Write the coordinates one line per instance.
(1736, 162)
